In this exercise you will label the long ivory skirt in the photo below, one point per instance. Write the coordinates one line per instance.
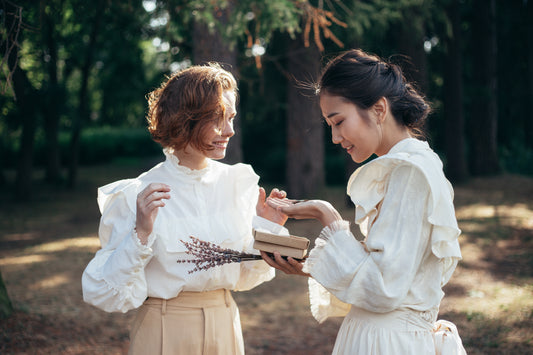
(401, 332)
(193, 323)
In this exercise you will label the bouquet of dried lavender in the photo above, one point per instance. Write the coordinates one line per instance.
(208, 255)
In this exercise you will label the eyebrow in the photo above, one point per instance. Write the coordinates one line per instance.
(332, 114)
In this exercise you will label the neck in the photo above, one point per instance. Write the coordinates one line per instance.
(391, 135)
(397, 138)
(191, 159)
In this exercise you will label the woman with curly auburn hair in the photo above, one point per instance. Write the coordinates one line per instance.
(388, 286)
(190, 100)
(145, 219)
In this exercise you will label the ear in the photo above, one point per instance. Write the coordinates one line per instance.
(380, 108)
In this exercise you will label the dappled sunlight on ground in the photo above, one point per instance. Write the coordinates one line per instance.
(55, 281)
(89, 243)
(24, 259)
(518, 215)
(491, 293)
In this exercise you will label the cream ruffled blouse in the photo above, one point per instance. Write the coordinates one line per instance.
(404, 207)
(215, 204)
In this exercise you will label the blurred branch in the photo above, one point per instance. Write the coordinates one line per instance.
(10, 31)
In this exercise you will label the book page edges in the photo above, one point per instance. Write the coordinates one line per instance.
(283, 250)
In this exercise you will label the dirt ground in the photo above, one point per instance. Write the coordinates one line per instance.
(45, 245)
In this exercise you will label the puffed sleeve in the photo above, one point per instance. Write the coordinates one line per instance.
(253, 273)
(114, 279)
(379, 276)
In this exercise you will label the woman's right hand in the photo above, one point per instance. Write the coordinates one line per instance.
(148, 202)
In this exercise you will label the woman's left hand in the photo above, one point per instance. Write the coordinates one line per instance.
(266, 211)
(289, 266)
(320, 210)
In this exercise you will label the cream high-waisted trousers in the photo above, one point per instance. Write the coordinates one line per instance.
(193, 323)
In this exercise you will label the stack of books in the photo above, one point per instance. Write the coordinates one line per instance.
(290, 245)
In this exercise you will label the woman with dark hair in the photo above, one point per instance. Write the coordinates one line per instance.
(145, 219)
(389, 286)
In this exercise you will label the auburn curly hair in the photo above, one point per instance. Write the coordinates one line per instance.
(187, 104)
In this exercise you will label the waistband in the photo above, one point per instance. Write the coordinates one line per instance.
(404, 318)
(188, 299)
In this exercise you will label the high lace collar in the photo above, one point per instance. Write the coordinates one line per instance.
(196, 174)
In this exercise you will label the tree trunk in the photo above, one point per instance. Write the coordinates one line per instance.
(51, 111)
(23, 183)
(484, 159)
(3, 149)
(305, 129)
(6, 307)
(27, 102)
(211, 47)
(456, 167)
(409, 36)
(528, 122)
(83, 108)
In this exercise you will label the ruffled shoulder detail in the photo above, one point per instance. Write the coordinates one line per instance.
(244, 173)
(128, 188)
(245, 181)
(368, 184)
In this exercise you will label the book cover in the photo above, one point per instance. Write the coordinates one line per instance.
(291, 241)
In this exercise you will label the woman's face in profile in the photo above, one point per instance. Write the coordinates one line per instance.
(218, 137)
(355, 129)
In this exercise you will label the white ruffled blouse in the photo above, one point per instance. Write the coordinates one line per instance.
(215, 204)
(404, 208)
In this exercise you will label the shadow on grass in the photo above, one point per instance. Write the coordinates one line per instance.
(483, 335)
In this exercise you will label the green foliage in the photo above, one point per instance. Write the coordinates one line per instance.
(369, 21)
(264, 18)
(120, 71)
(517, 158)
(260, 18)
(262, 115)
(98, 145)
(126, 66)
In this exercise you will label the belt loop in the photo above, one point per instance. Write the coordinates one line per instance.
(227, 297)
(163, 306)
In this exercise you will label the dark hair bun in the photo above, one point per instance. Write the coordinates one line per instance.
(364, 78)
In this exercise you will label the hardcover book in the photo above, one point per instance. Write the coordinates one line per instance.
(293, 246)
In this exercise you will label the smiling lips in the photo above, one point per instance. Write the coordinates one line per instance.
(221, 144)
(349, 148)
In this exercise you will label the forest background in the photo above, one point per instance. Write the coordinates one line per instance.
(75, 73)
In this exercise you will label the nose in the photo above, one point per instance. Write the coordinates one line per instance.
(228, 130)
(336, 138)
